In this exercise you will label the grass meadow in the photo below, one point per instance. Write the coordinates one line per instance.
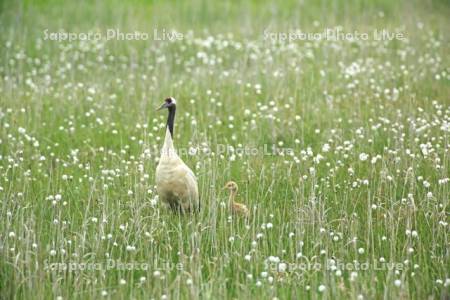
(340, 148)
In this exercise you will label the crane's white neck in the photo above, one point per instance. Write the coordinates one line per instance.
(168, 150)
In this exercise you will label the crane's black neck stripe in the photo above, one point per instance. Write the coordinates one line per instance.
(171, 119)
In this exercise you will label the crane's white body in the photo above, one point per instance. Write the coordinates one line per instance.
(176, 184)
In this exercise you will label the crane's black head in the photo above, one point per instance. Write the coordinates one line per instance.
(169, 103)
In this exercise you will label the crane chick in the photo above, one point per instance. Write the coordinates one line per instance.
(236, 208)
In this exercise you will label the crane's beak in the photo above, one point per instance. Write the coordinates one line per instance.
(164, 105)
